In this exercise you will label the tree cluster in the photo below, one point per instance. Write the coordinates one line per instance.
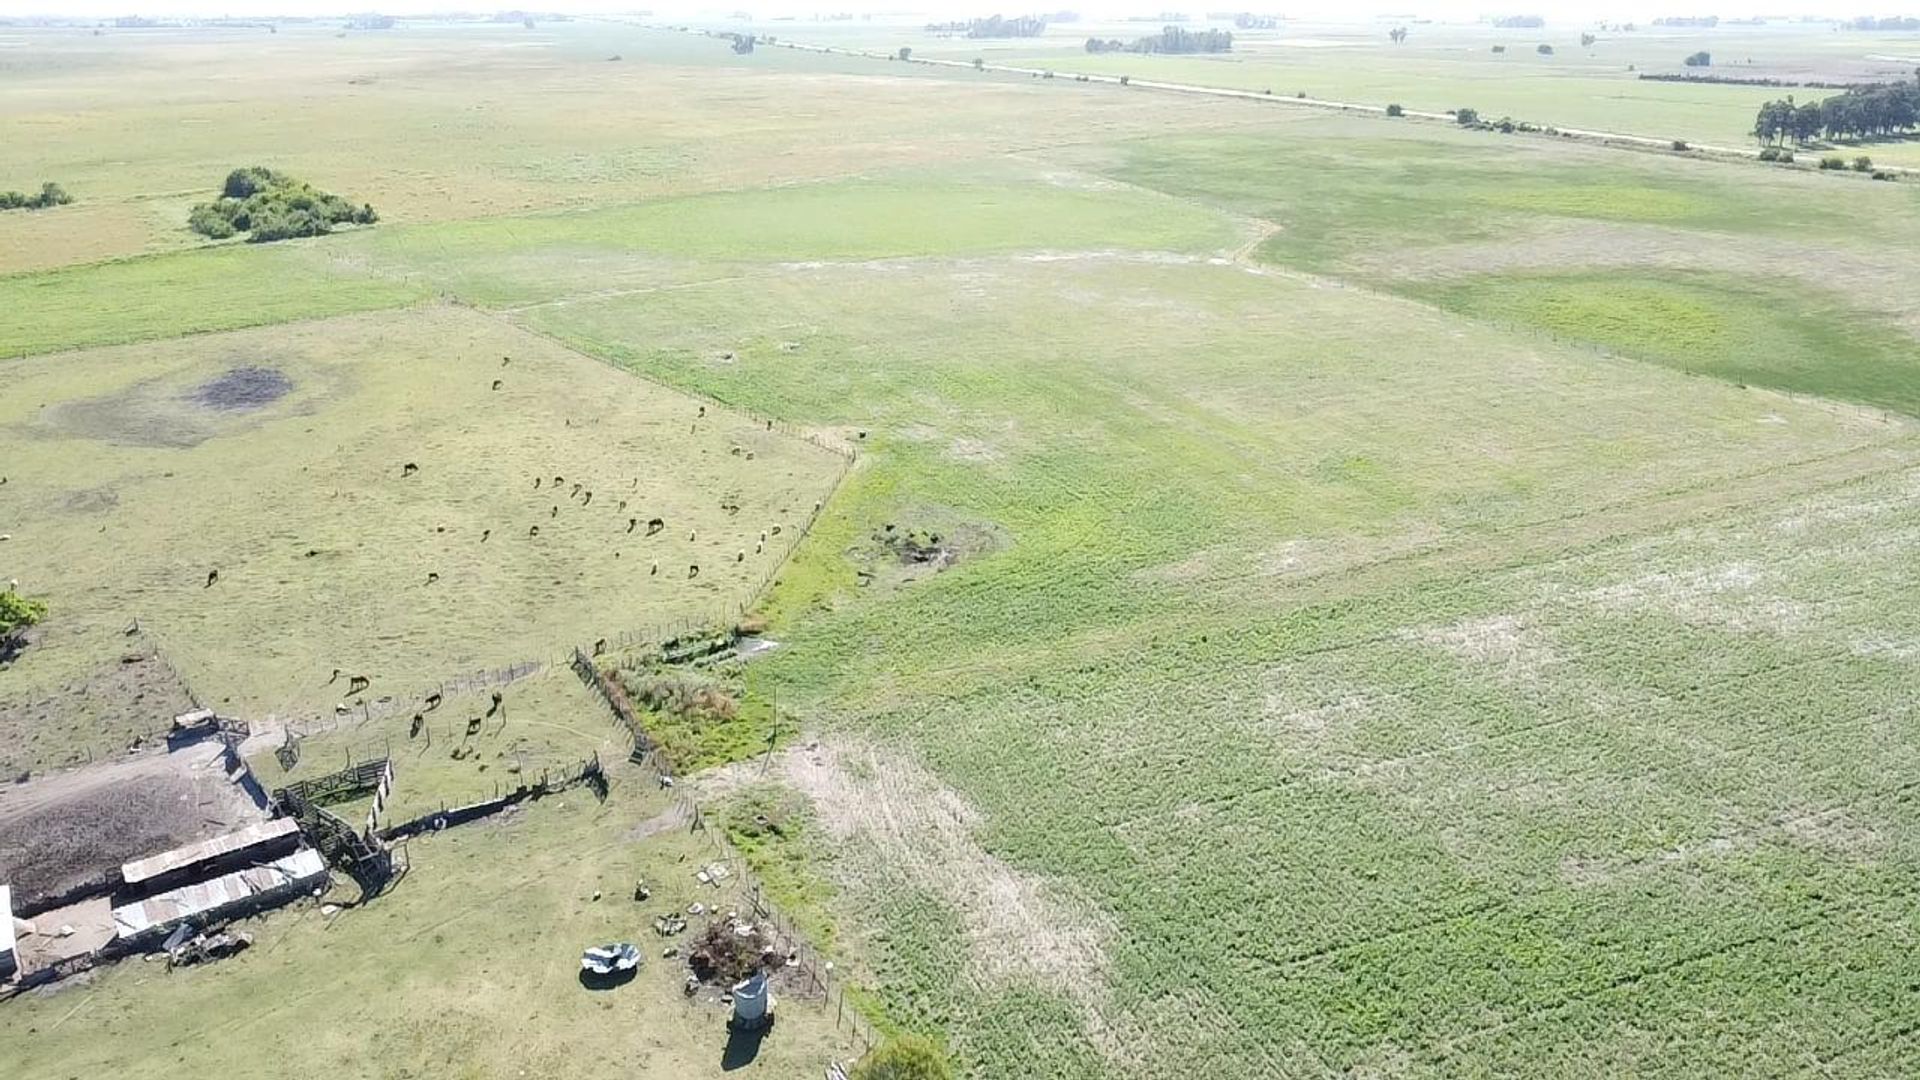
(1689, 20)
(1173, 39)
(1397, 35)
(994, 26)
(1246, 20)
(1519, 22)
(1860, 112)
(1702, 58)
(51, 194)
(1897, 22)
(269, 205)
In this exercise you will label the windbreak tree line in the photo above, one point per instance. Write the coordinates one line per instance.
(51, 194)
(1172, 39)
(269, 205)
(1860, 112)
(993, 26)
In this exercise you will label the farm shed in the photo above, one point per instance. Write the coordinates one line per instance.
(8, 963)
(241, 892)
(259, 842)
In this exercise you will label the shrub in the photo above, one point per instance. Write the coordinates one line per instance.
(1700, 59)
(16, 614)
(979, 64)
(904, 1057)
(1499, 48)
(1505, 125)
(1832, 163)
(1123, 80)
(1395, 110)
(1863, 163)
(905, 53)
(273, 206)
(1770, 153)
(1466, 117)
(1681, 145)
(1786, 157)
(1882, 174)
(1543, 49)
(51, 194)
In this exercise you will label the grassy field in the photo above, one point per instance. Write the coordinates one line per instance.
(1446, 66)
(1318, 595)
(278, 459)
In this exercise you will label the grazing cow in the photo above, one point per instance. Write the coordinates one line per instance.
(588, 501)
(575, 493)
(357, 683)
(432, 577)
(505, 360)
(655, 570)
(600, 646)
(409, 469)
(497, 382)
(533, 530)
(334, 678)
(759, 547)
(775, 530)
(739, 556)
(413, 729)
(703, 410)
(558, 480)
(484, 533)
(473, 724)
(623, 506)
(433, 701)
(212, 576)
(495, 707)
(816, 506)
(690, 535)
(555, 512)
(536, 483)
(763, 536)
(654, 525)
(693, 570)
(631, 522)
(769, 425)
(311, 552)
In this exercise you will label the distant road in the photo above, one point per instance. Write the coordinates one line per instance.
(1614, 138)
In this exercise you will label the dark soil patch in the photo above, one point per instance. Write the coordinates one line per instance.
(132, 694)
(243, 389)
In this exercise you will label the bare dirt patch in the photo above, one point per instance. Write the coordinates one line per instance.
(63, 830)
(243, 389)
(1507, 643)
(891, 817)
(127, 696)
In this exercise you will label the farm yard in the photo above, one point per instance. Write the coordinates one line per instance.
(1185, 587)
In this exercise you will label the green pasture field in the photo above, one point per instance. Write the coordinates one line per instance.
(1447, 66)
(1237, 562)
(1402, 601)
(468, 969)
(134, 472)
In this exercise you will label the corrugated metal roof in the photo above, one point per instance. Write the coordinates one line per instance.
(6, 918)
(299, 868)
(258, 833)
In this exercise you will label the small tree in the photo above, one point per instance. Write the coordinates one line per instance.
(905, 53)
(1700, 59)
(1543, 49)
(904, 1057)
(1466, 117)
(1863, 163)
(1587, 40)
(16, 614)
(1395, 110)
(979, 64)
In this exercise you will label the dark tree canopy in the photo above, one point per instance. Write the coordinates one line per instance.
(269, 205)
(51, 194)
(1858, 113)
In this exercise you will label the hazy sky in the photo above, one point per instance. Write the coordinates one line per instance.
(1567, 11)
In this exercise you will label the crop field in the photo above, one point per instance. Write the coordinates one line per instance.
(408, 496)
(1317, 595)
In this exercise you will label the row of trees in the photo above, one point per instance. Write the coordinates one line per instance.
(1860, 112)
(269, 205)
(1172, 39)
(51, 194)
(995, 26)
(1893, 23)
